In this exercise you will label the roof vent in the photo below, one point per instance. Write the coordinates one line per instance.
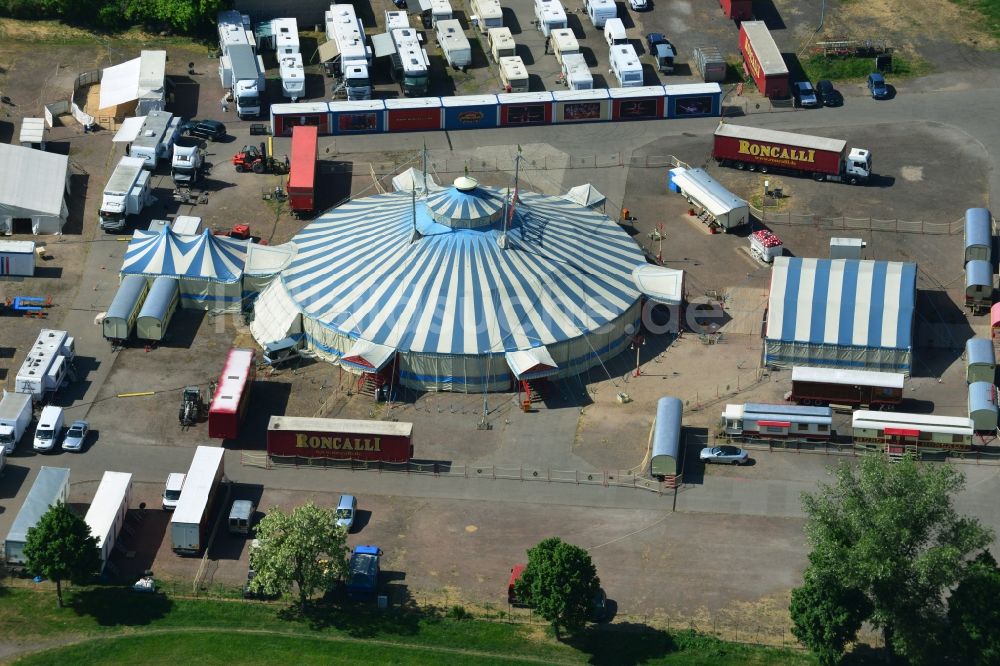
(466, 184)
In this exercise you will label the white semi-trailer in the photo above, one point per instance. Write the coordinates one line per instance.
(128, 191)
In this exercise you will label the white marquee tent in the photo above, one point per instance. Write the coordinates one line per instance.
(33, 185)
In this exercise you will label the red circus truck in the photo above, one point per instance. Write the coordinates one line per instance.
(738, 10)
(302, 172)
(232, 393)
(762, 60)
(770, 150)
(340, 439)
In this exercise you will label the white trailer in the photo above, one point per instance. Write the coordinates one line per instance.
(501, 43)
(551, 16)
(127, 193)
(155, 139)
(513, 74)
(107, 512)
(352, 56)
(398, 20)
(47, 364)
(489, 14)
(17, 257)
(454, 43)
(234, 29)
(15, 417)
(190, 522)
(625, 66)
(440, 10)
(282, 37)
(714, 203)
(600, 11)
(293, 76)
(614, 32)
(51, 486)
(564, 43)
(576, 72)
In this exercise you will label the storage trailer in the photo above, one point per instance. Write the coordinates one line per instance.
(120, 317)
(667, 427)
(978, 234)
(232, 393)
(128, 191)
(301, 186)
(108, 511)
(189, 526)
(17, 257)
(856, 388)
(50, 486)
(762, 60)
(711, 64)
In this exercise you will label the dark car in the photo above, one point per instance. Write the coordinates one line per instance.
(212, 130)
(805, 95)
(877, 86)
(829, 95)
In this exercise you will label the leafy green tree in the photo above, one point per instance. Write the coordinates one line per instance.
(560, 582)
(826, 616)
(60, 548)
(889, 531)
(974, 613)
(305, 547)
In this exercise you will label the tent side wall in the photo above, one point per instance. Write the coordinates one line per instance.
(202, 294)
(158, 310)
(125, 307)
(787, 353)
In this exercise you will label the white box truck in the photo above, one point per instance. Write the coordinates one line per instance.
(15, 417)
(550, 15)
(600, 11)
(108, 511)
(625, 66)
(454, 43)
(128, 191)
(50, 486)
(47, 365)
(189, 526)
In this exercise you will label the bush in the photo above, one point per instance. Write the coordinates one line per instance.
(459, 613)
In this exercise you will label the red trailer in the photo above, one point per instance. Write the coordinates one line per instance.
(738, 10)
(340, 439)
(232, 393)
(766, 150)
(857, 388)
(302, 174)
(762, 60)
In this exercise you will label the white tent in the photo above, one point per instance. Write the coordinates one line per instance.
(33, 185)
(141, 78)
(263, 263)
(586, 195)
(704, 191)
(414, 179)
(276, 315)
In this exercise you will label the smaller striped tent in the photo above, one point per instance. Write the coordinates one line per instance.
(841, 313)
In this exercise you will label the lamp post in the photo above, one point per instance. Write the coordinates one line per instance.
(638, 342)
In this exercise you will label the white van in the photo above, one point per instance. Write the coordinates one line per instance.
(600, 11)
(625, 66)
(614, 32)
(172, 490)
(50, 425)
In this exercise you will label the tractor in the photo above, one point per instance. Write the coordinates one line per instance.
(192, 406)
(258, 160)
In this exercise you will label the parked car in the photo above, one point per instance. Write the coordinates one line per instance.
(733, 455)
(805, 95)
(639, 5)
(76, 436)
(829, 95)
(346, 508)
(877, 86)
(212, 130)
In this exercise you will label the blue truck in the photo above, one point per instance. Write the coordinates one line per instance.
(363, 571)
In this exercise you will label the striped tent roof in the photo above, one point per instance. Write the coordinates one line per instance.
(205, 257)
(844, 302)
(566, 271)
(470, 206)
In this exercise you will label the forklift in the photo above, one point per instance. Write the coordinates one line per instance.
(259, 160)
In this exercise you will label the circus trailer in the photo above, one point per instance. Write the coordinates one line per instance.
(697, 100)
(413, 115)
(470, 112)
(340, 439)
(284, 117)
(232, 393)
(530, 108)
(637, 103)
(302, 174)
(358, 117)
(762, 60)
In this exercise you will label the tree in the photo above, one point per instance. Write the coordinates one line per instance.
(560, 582)
(60, 548)
(826, 616)
(889, 531)
(305, 547)
(974, 613)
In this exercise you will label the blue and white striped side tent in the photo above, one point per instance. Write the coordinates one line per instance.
(841, 313)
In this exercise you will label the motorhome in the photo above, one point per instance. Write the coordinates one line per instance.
(155, 139)
(241, 70)
(550, 15)
(625, 66)
(513, 74)
(454, 43)
(410, 63)
(345, 29)
(48, 364)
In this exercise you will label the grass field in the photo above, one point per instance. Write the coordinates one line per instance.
(990, 9)
(818, 67)
(117, 626)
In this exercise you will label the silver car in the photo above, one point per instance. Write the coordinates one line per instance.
(76, 436)
(733, 455)
(346, 508)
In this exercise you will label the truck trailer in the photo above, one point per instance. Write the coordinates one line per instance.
(48, 363)
(770, 150)
(107, 512)
(302, 174)
(189, 526)
(857, 388)
(50, 486)
(340, 439)
(763, 61)
(15, 417)
(738, 10)
(128, 191)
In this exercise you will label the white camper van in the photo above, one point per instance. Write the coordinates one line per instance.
(600, 11)
(625, 66)
(614, 32)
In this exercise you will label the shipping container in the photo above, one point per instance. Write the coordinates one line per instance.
(158, 309)
(189, 526)
(51, 486)
(108, 511)
(531, 108)
(470, 112)
(413, 115)
(738, 10)
(17, 258)
(638, 103)
(340, 439)
(582, 106)
(120, 317)
(857, 388)
(763, 61)
(232, 393)
(311, 114)
(302, 173)
(710, 63)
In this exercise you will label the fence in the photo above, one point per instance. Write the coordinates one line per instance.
(859, 223)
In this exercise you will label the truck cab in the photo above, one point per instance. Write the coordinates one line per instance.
(859, 164)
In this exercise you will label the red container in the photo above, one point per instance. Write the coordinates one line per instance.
(302, 174)
(412, 120)
(738, 10)
(762, 60)
(232, 393)
(783, 150)
(340, 439)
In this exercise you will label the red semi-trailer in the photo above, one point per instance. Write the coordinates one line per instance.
(857, 388)
(302, 173)
(340, 439)
(232, 393)
(738, 10)
(762, 60)
(770, 150)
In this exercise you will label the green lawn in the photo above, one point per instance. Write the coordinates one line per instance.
(118, 626)
(990, 9)
(818, 67)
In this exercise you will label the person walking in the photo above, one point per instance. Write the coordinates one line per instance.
(547, 40)
(225, 105)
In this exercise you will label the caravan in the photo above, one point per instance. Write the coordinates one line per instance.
(513, 74)
(614, 32)
(501, 43)
(600, 11)
(551, 16)
(564, 43)
(454, 43)
(576, 73)
(488, 14)
(625, 66)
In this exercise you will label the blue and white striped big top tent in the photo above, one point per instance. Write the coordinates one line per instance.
(432, 288)
(841, 313)
(209, 267)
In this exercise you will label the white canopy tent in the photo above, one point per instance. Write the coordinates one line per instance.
(276, 315)
(33, 185)
(414, 179)
(533, 363)
(129, 130)
(586, 195)
(263, 263)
